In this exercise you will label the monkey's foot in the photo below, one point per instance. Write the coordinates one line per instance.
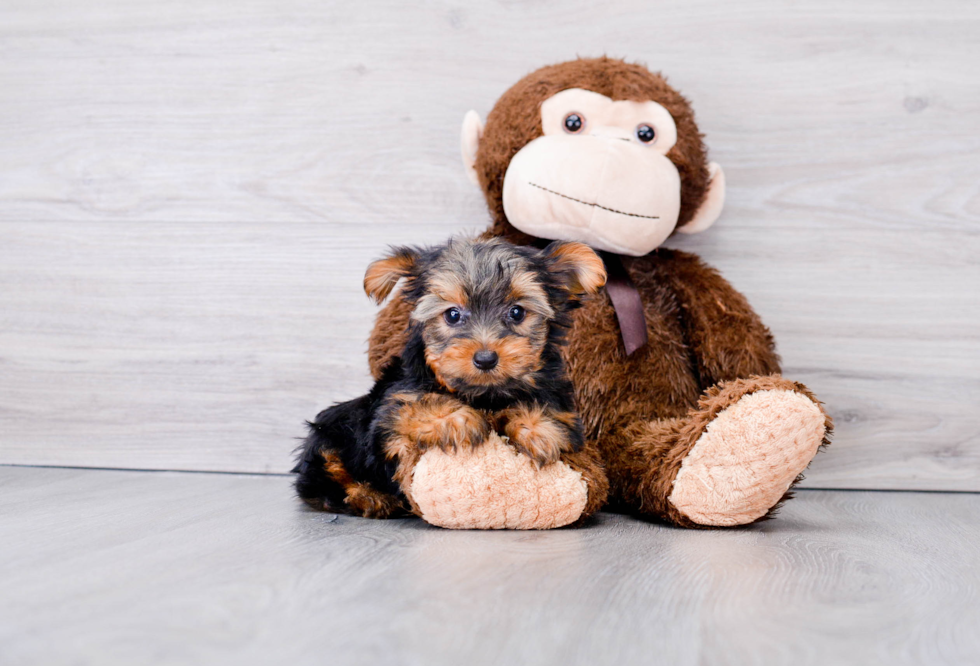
(493, 486)
(757, 436)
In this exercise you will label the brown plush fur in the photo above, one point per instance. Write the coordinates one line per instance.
(588, 463)
(641, 413)
(648, 454)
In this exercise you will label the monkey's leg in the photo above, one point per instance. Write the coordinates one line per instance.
(490, 486)
(494, 486)
(730, 461)
(588, 463)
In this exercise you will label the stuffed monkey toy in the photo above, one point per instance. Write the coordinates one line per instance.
(687, 419)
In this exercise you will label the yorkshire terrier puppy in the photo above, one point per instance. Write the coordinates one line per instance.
(483, 355)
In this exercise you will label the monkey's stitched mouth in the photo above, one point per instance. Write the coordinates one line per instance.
(594, 205)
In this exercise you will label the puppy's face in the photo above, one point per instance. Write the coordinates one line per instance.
(484, 314)
(484, 307)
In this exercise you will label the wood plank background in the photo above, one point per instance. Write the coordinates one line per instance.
(189, 192)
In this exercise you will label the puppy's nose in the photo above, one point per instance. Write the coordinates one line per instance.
(485, 360)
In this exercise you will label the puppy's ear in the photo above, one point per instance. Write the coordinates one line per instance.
(383, 274)
(578, 265)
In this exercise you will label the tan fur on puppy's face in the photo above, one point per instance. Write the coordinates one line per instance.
(483, 282)
(453, 362)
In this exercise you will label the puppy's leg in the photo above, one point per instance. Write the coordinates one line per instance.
(315, 481)
(360, 498)
(413, 423)
(539, 432)
(326, 482)
(426, 420)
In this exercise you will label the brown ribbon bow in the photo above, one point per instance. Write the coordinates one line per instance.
(627, 303)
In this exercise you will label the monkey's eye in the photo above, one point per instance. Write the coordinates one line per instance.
(573, 123)
(452, 316)
(516, 314)
(645, 134)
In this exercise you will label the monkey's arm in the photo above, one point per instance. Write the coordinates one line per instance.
(726, 336)
(389, 335)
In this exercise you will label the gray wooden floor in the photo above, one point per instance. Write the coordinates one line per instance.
(115, 567)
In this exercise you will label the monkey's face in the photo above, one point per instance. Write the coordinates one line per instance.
(594, 150)
(599, 174)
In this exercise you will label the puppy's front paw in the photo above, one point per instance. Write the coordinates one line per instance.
(436, 420)
(463, 427)
(540, 436)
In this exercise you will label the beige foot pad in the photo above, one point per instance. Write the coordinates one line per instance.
(747, 458)
(495, 487)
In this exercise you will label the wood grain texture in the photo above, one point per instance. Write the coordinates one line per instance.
(116, 567)
(189, 193)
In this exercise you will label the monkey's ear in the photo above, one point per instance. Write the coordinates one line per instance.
(382, 275)
(578, 264)
(710, 208)
(469, 143)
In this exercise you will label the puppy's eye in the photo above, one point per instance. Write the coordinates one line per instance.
(573, 123)
(452, 316)
(645, 133)
(516, 314)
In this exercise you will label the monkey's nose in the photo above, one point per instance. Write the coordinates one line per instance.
(485, 360)
(611, 132)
